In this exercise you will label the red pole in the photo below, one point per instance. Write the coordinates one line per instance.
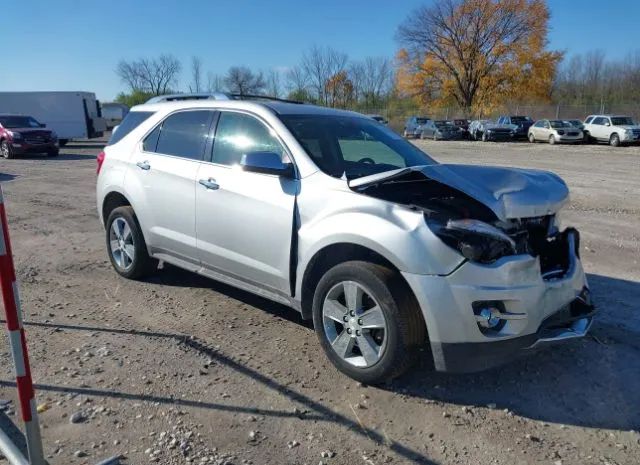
(13, 317)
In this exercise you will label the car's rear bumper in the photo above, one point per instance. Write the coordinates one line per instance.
(531, 304)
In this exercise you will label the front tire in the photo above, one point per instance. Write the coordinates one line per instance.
(614, 140)
(532, 138)
(368, 322)
(126, 246)
(552, 139)
(485, 138)
(6, 150)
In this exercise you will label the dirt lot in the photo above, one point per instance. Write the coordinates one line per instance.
(181, 369)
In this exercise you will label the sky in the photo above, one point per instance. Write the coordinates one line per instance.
(76, 45)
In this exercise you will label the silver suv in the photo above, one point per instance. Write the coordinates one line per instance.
(337, 216)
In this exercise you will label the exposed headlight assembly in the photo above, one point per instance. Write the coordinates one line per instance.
(15, 135)
(475, 240)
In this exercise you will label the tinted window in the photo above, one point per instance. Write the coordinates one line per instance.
(598, 120)
(184, 134)
(588, 120)
(128, 124)
(622, 121)
(353, 145)
(18, 122)
(151, 141)
(238, 134)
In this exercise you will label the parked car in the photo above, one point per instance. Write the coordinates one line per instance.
(340, 218)
(72, 115)
(519, 124)
(554, 131)
(379, 118)
(614, 129)
(486, 131)
(463, 124)
(440, 130)
(413, 126)
(22, 134)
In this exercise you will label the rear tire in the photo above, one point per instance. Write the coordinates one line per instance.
(133, 260)
(614, 140)
(404, 328)
(6, 150)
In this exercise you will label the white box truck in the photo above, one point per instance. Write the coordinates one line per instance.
(72, 115)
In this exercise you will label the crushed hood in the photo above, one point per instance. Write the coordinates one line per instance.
(509, 192)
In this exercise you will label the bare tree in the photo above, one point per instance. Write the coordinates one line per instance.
(319, 65)
(154, 75)
(274, 87)
(297, 80)
(196, 75)
(241, 80)
(215, 82)
(377, 79)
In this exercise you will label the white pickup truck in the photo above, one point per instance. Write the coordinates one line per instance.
(614, 129)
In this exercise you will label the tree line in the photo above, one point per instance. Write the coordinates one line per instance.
(324, 76)
(476, 55)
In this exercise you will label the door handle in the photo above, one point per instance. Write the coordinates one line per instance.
(144, 165)
(210, 184)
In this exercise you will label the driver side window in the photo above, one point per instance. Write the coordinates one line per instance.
(238, 134)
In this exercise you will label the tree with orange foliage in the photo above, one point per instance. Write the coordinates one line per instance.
(339, 90)
(476, 53)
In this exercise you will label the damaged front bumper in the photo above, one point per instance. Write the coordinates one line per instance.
(532, 309)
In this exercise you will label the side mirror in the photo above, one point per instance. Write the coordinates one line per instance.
(266, 163)
(607, 124)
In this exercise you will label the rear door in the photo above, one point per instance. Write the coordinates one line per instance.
(244, 221)
(165, 167)
(597, 128)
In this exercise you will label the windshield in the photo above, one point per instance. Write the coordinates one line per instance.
(622, 121)
(560, 124)
(520, 119)
(18, 122)
(422, 120)
(352, 145)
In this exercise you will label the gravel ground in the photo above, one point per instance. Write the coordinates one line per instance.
(181, 369)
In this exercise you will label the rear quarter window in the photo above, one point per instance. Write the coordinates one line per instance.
(129, 123)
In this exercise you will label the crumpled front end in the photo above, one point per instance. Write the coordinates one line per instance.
(482, 315)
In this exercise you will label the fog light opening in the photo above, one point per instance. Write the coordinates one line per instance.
(489, 316)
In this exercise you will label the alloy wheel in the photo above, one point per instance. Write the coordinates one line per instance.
(354, 324)
(121, 243)
(4, 150)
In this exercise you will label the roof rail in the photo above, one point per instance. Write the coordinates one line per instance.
(216, 96)
(262, 97)
(189, 96)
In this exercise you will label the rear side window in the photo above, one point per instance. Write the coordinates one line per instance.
(128, 124)
(184, 134)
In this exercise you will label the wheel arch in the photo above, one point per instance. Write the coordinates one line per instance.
(328, 257)
(113, 200)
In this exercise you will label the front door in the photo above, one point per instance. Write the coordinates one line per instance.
(244, 221)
